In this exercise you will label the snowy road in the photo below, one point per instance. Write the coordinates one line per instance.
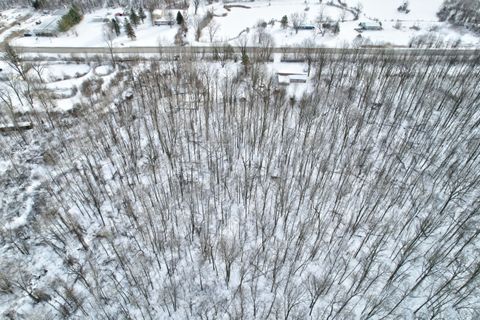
(179, 51)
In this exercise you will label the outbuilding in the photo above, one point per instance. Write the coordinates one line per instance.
(370, 25)
(306, 27)
(163, 22)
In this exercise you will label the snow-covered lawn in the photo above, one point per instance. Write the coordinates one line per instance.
(384, 10)
(103, 70)
(234, 20)
(60, 72)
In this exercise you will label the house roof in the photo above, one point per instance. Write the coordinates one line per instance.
(287, 78)
(49, 24)
(283, 79)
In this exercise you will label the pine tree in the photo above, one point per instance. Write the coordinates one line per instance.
(73, 17)
(134, 18)
(115, 27)
(129, 30)
(180, 19)
(284, 22)
(38, 4)
(245, 61)
(141, 14)
(336, 28)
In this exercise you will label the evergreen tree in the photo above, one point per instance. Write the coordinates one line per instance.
(115, 27)
(336, 28)
(245, 60)
(129, 30)
(134, 17)
(141, 14)
(73, 17)
(38, 4)
(180, 19)
(284, 22)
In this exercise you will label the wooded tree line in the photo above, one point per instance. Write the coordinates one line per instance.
(461, 12)
(88, 5)
(209, 196)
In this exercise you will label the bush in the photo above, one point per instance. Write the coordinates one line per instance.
(73, 17)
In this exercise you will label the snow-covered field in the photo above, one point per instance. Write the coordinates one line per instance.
(234, 19)
(60, 72)
(420, 10)
(60, 80)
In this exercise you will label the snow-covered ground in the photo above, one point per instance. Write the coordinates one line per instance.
(420, 10)
(61, 80)
(60, 72)
(234, 19)
(14, 20)
(337, 173)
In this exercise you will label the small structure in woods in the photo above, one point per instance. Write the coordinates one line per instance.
(288, 78)
(18, 126)
(163, 22)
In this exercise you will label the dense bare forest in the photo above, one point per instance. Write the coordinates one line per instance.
(461, 12)
(88, 5)
(222, 197)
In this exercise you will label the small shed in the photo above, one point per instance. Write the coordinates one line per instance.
(100, 19)
(18, 126)
(288, 78)
(298, 78)
(370, 25)
(306, 27)
(163, 22)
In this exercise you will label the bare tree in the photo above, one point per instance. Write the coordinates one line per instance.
(14, 60)
(212, 28)
(348, 198)
(297, 19)
(108, 37)
(196, 5)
